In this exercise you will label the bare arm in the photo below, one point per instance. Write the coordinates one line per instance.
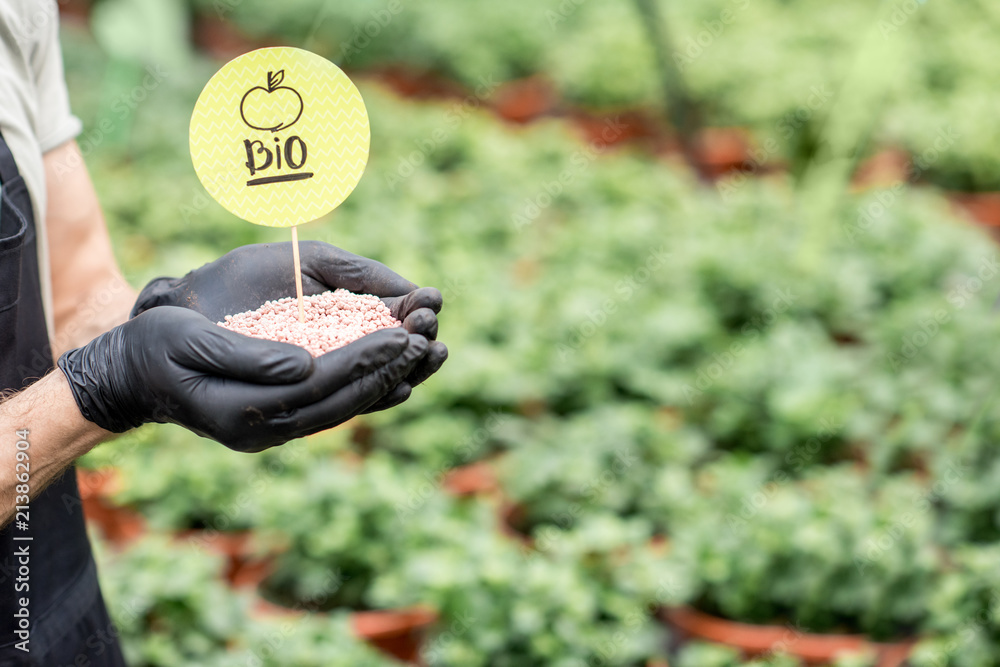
(89, 293)
(90, 296)
(57, 434)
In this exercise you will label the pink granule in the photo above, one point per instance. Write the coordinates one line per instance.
(333, 319)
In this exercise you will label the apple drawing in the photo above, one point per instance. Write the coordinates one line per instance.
(272, 108)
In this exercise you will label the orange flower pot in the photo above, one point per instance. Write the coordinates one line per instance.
(981, 207)
(101, 483)
(119, 525)
(244, 567)
(471, 480)
(721, 150)
(755, 640)
(396, 632)
(524, 100)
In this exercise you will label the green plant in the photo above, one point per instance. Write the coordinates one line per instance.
(701, 654)
(325, 640)
(964, 625)
(602, 459)
(440, 440)
(503, 605)
(340, 527)
(169, 604)
(965, 473)
(180, 481)
(829, 553)
(171, 609)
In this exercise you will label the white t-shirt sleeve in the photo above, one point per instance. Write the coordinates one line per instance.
(55, 124)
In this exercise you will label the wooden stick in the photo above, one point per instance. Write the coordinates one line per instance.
(298, 271)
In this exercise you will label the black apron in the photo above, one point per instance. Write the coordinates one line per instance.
(69, 624)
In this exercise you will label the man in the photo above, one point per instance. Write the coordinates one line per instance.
(127, 359)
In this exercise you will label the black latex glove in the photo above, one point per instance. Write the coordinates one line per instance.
(246, 277)
(174, 365)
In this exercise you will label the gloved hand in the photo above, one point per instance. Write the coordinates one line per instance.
(174, 365)
(246, 277)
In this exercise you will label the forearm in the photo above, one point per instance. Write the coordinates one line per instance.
(89, 293)
(56, 433)
(104, 306)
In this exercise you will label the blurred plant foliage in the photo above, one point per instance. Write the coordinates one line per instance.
(771, 65)
(645, 355)
(170, 608)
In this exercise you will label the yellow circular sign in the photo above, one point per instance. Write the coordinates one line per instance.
(280, 136)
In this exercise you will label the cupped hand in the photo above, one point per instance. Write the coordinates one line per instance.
(172, 364)
(246, 277)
